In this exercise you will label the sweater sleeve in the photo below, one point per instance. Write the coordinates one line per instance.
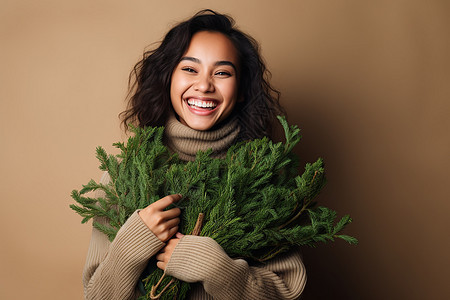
(201, 259)
(112, 269)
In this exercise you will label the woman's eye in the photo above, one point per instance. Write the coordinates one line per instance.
(223, 73)
(188, 69)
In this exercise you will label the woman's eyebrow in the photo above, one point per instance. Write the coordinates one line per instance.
(225, 63)
(218, 63)
(193, 59)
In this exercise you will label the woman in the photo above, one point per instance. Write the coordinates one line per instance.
(206, 84)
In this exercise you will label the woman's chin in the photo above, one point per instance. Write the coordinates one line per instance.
(200, 126)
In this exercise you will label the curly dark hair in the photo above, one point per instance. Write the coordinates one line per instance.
(149, 101)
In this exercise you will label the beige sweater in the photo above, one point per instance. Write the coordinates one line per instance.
(112, 269)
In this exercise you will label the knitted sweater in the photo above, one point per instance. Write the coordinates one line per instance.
(112, 269)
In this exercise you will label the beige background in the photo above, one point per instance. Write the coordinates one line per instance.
(367, 81)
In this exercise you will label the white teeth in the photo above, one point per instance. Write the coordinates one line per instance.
(202, 104)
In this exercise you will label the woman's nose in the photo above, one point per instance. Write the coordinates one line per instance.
(204, 83)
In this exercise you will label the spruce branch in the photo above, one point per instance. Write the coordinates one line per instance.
(253, 202)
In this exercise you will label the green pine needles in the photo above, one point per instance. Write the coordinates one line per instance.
(255, 204)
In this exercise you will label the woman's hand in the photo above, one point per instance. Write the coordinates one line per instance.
(163, 223)
(166, 253)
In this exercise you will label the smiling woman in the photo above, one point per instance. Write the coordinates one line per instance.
(206, 54)
(206, 83)
(204, 87)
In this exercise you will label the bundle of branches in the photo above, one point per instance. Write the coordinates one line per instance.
(253, 202)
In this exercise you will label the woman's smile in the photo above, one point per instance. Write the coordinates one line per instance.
(202, 104)
(202, 107)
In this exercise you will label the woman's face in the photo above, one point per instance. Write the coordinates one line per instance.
(204, 85)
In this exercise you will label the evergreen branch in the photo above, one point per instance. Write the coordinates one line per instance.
(255, 204)
(349, 239)
(291, 133)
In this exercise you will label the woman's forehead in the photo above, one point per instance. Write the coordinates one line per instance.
(212, 48)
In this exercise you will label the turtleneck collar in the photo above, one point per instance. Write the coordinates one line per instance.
(187, 141)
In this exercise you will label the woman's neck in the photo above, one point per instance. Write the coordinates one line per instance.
(187, 142)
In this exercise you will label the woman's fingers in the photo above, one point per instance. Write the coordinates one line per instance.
(172, 223)
(163, 223)
(161, 265)
(156, 209)
(172, 231)
(165, 235)
(165, 231)
(164, 256)
(163, 203)
(171, 213)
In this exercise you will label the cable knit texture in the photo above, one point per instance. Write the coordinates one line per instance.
(187, 142)
(112, 270)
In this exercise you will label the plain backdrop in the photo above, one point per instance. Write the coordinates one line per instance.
(367, 82)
